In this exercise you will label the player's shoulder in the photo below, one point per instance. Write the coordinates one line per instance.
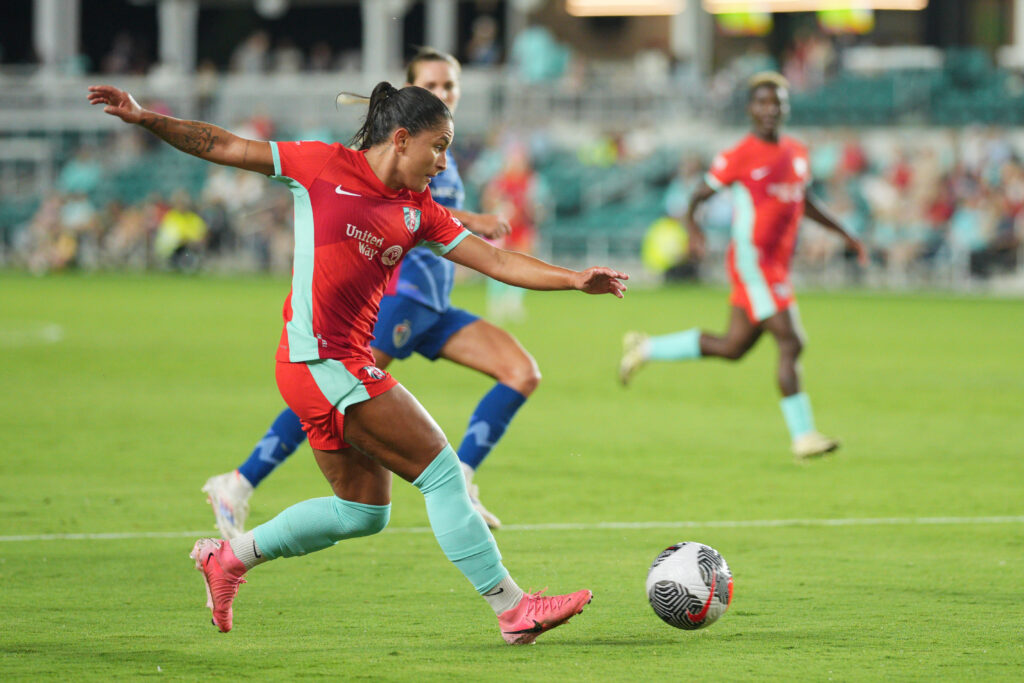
(315, 145)
(737, 148)
(310, 151)
(741, 150)
(731, 157)
(794, 144)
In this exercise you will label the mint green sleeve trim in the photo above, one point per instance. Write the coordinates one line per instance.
(277, 158)
(713, 182)
(442, 249)
(294, 185)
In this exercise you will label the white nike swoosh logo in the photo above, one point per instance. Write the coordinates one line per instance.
(350, 194)
(760, 173)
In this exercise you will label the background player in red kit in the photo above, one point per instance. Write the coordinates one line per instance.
(357, 213)
(769, 174)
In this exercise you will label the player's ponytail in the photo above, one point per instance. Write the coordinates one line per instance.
(412, 108)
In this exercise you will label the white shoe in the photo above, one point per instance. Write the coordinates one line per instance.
(229, 494)
(813, 445)
(634, 355)
(474, 497)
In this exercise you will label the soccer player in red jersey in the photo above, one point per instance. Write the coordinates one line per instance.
(357, 213)
(769, 174)
(416, 315)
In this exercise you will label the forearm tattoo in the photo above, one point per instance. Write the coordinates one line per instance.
(192, 137)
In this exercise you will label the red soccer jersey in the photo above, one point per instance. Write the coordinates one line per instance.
(769, 183)
(351, 232)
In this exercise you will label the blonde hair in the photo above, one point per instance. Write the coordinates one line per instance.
(771, 78)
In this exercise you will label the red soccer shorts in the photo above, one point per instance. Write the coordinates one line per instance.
(320, 391)
(760, 287)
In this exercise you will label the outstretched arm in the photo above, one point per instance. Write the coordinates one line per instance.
(700, 195)
(203, 140)
(486, 224)
(818, 213)
(521, 270)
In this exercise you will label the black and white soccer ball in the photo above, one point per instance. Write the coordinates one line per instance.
(689, 585)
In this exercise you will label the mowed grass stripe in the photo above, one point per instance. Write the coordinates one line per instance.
(594, 526)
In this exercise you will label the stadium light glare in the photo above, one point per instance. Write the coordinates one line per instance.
(728, 6)
(624, 8)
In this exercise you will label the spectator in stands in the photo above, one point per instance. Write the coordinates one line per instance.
(321, 58)
(35, 245)
(808, 61)
(252, 56)
(483, 48)
(538, 57)
(127, 242)
(259, 126)
(82, 174)
(512, 194)
(81, 232)
(182, 233)
(207, 82)
(971, 229)
(125, 56)
(288, 58)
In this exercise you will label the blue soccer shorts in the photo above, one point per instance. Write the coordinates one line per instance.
(404, 325)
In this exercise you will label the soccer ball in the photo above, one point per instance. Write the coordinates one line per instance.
(689, 585)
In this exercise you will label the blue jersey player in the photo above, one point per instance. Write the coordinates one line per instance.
(415, 316)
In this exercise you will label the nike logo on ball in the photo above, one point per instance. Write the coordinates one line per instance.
(699, 616)
(350, 194)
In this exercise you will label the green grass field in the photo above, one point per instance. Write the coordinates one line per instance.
(900, 559)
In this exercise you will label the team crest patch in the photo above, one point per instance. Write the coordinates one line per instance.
(373, 372)
(400, 335)
(391, 255)
(800, 166)
(412, 218)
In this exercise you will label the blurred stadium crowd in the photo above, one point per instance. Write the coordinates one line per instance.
(938, 199)
(923, 159)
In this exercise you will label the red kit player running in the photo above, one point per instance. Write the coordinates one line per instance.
(357, 213)
(769, 174)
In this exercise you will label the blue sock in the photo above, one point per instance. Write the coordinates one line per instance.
(459, 529)
(678, 346)
(488, 423)
(797, 411)
(318, 523)
(280, 441)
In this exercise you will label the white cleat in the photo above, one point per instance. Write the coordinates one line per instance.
(813, 445)
(228, 494)
(489, 518)
(634, 355)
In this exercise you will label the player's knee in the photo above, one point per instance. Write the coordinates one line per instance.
(376, 523)
(523, 376)
(791, 345)
(358, 519)
(735, 351)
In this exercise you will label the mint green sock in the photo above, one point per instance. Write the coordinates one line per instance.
(797, 411)
(318, 523)
(459, 529)
(677, 346)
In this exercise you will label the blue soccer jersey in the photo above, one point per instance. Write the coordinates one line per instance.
(426, 277)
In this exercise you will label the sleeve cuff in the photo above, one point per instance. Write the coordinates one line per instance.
(713, 182)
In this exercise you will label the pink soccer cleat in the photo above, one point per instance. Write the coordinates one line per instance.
(223, 573)
(535, 614)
